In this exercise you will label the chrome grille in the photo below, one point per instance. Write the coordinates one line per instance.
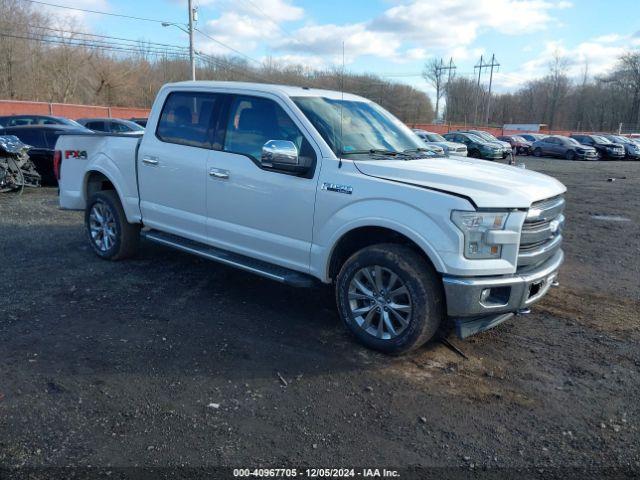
(542, 231)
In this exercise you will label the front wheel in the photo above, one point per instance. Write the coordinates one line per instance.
(537, 152)
(570, 155)
(390, 298)
(110, 235)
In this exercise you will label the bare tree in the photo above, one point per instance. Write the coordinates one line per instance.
(433, 73)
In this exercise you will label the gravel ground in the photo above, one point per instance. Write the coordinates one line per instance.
(170, 360)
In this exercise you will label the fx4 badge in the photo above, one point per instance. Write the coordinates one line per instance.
(80, 154)
(334, 187)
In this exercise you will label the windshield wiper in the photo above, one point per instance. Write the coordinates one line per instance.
(379, 151)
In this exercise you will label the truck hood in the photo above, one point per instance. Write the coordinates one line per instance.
(487, 184)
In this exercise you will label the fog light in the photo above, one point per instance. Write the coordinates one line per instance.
(495, 297)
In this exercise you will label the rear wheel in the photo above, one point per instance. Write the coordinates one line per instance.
(109, 234)
(570, 155)
(390, 298)
(537, 152)
(475, 153)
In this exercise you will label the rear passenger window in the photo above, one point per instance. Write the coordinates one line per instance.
(253, 121)
(97, 126)
(188, 118)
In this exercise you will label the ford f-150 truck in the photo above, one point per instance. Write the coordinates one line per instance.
(302, 185)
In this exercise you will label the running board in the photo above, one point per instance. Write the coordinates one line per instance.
(264, 269)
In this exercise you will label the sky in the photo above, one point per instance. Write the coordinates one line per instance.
(391, 38)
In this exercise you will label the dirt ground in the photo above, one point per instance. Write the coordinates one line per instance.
(170, 360)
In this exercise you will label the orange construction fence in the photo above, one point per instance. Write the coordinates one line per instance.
(12, 107)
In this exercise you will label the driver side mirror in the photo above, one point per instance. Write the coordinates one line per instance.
(282, 155)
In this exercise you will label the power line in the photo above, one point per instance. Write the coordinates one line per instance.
(58, 40)
(136, 43)
(141, 19)
(96, 11)
(227, 46)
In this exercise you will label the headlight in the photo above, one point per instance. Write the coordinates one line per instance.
(475, 226)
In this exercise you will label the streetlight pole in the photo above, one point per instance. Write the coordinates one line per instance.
(192, 56)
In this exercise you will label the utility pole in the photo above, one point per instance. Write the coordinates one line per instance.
(492, 64)
(479, 66)
(192, 57)
(440, 69)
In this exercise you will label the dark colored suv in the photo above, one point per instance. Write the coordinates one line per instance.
(565, 147)
(476, 146)
(42, 139)
(605, 148)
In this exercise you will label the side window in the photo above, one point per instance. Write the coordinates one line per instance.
(97, 126)
(116, 127)
(253, 121)
(188, 118)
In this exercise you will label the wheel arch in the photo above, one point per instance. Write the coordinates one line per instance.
(96, 179)
(361, 236)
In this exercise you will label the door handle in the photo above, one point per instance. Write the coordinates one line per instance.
(219, 173)
(149, 160)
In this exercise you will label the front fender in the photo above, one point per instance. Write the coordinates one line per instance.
(414, 225)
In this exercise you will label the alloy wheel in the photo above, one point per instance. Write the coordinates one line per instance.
(102, 226)
(380, 302)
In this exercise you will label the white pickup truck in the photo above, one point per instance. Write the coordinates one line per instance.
(302, 185)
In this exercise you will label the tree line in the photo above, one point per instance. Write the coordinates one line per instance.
(606, 102)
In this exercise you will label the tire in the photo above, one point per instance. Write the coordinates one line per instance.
(122, 237)
(537, 152)
(570, 155)
(417, 287)
(475, 154)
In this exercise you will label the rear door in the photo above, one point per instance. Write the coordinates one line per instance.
(172, 164)
(252, 210)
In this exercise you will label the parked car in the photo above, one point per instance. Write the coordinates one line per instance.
(506, 147)
(532, 137)
(476, 146)
(450, 148)
(408, 241)
(112, 125)
(605, 148)
(436, 149)
(18, 120)
(519, 144)
(631, 148)
(140, 121)
(42, 139)
(564, 147)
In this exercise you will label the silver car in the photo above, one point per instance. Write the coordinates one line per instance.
(449, 148)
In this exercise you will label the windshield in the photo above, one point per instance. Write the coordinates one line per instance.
(519, 139)
(485, 135)
(616, 139)
(599, 139)
(573, 141)
(365, 126)
(434, 137)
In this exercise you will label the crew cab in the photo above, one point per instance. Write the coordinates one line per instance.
(308, 186)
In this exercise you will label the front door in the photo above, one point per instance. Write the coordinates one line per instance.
(172, 165)
(254, 211)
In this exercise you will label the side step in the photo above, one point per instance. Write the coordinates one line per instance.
(264, 269)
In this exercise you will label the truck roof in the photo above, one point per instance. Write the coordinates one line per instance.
(287, 90)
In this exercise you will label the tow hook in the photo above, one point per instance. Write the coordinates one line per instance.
(555, 283)
(523, 311)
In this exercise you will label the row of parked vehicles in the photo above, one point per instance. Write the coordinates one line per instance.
(42, 131)
(480, 144)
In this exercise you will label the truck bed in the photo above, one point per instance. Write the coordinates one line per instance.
(112, 155)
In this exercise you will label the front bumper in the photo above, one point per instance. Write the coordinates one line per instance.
(479, 303)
